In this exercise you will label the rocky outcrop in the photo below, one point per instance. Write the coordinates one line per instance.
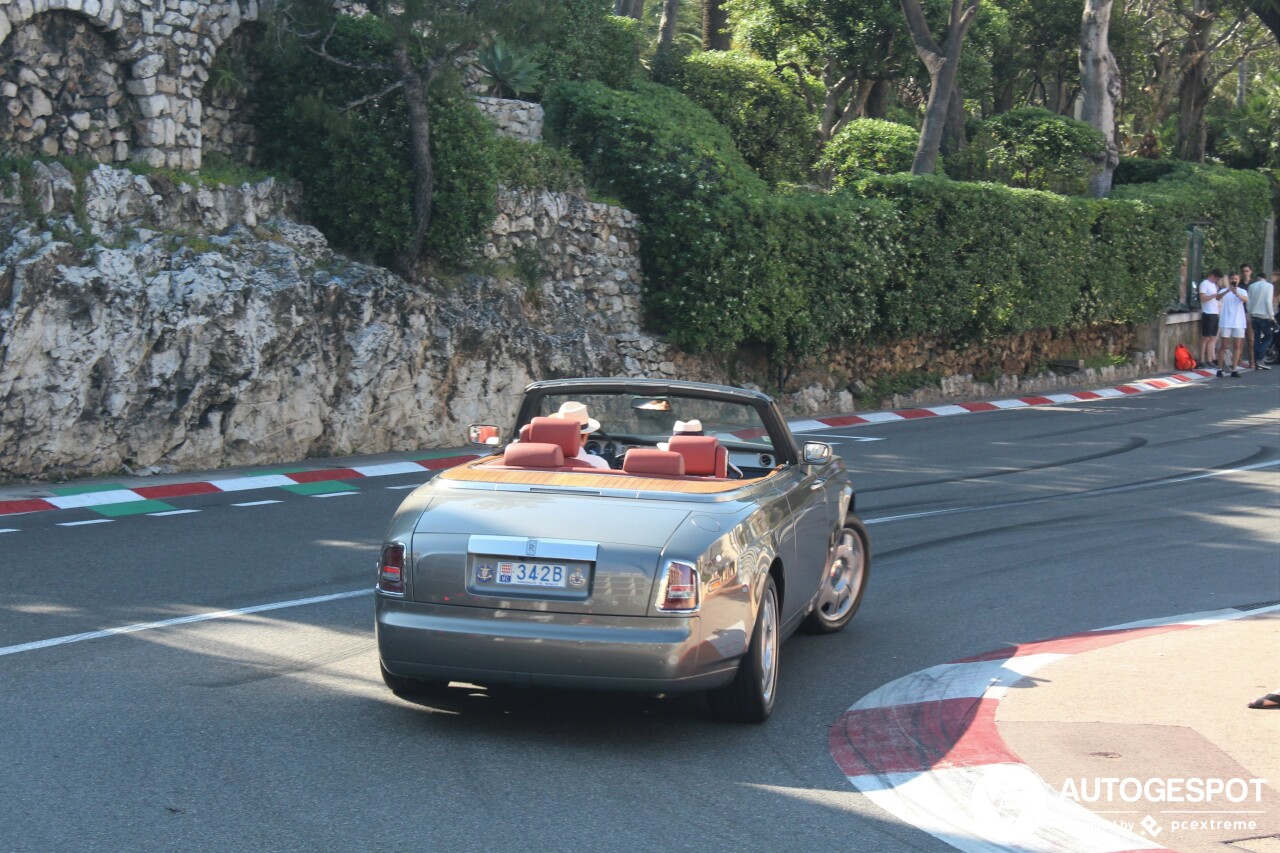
(236, 336)
(147, 324)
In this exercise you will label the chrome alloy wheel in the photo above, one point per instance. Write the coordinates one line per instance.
(768, 646)
(843, 581)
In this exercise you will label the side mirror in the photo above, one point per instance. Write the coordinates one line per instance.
(486, 435)
(815, 452)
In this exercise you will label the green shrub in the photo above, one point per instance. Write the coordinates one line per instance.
(729, 262)
(769, 123)
(1034, 148)
(1139, 170)
(868, 146)
(355, 165)
(534, 166)
(592, 44)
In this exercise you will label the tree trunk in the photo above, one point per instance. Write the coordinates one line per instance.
(1003, 97)
(878, 100)
(943, 64)
(667, 25)
(954, 138)
(1268, 11)
(1193, 87)
(415, 98)
(1100, 82)
(715, 26)
(629, 9)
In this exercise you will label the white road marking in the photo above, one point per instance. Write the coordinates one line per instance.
(1111, 490)
(9, 530)
(335, 494)
(258, 503)
(241, 484)
(112, 496)
(181, 620)
(388, 469)
(79, 523)
(1011, 404)
(410, 486)
(842, 437)
(171, 512)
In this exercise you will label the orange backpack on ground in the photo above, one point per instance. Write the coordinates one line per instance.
(1182, 358)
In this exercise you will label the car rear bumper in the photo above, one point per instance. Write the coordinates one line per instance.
(639, 653)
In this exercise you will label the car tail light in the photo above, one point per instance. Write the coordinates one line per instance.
(391, 569)
(678, 590)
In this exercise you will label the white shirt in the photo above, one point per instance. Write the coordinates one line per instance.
(1232, 311)
(1262, 299)
(591, 459)
(1213, 306)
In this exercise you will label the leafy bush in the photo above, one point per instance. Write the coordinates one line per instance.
(355, 165)
(770, 124)
(592, 44)
(730, 262)
(1034, 148)
(869, 146)
(525, 165)
(1139, 170)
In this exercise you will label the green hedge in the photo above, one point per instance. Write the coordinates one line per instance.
(730, 262)
(769, 123)
(867, 146)
(593, 44)
(355, 165)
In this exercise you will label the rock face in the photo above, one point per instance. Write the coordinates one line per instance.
(149, 323)
(246, 340)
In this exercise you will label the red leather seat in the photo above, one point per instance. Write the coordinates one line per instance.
(567, 435)
(648, 461)
(530, 454)
(703, 455)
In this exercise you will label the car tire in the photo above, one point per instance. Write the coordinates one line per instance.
(411, 688)
(749, 698)
(844, 582)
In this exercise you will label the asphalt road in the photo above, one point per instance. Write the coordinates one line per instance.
(273, 731)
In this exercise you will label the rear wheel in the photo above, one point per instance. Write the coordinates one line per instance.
(749, 697)
(844, 582)
(410, 688)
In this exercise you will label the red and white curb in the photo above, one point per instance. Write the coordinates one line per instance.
(230, 484)
(926, 750)
(264, 481)
(1142, 386)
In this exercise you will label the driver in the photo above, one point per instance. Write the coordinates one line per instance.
(575, 411)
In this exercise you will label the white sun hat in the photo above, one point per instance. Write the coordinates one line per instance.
(574, 411)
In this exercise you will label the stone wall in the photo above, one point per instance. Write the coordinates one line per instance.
(159, 50)
(226, 123)
(517, 119)
(155, 325)
(63, 93)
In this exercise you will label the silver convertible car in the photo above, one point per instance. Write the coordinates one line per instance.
(680, 566)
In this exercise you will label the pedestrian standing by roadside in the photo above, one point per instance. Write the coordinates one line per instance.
(1210, 306)
(1231, 323)
(1262, 309)
(1241, 359)
(1246, 357)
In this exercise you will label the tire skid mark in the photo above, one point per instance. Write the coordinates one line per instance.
(1111, 425)
(1129, 446)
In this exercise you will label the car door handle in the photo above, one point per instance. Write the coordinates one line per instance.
(818, 485)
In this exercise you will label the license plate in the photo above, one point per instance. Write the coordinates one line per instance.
(540, 575)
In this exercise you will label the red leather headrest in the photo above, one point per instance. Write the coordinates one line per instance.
(702, 454)
(647, 460)
(566, 434)
(529, 454)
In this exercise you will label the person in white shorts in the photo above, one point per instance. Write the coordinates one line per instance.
(1231, 323)
(1210, 304)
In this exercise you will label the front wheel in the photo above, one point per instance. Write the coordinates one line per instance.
(843, 583)
(749, 697)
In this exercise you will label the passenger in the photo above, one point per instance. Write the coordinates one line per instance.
(575, 411)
